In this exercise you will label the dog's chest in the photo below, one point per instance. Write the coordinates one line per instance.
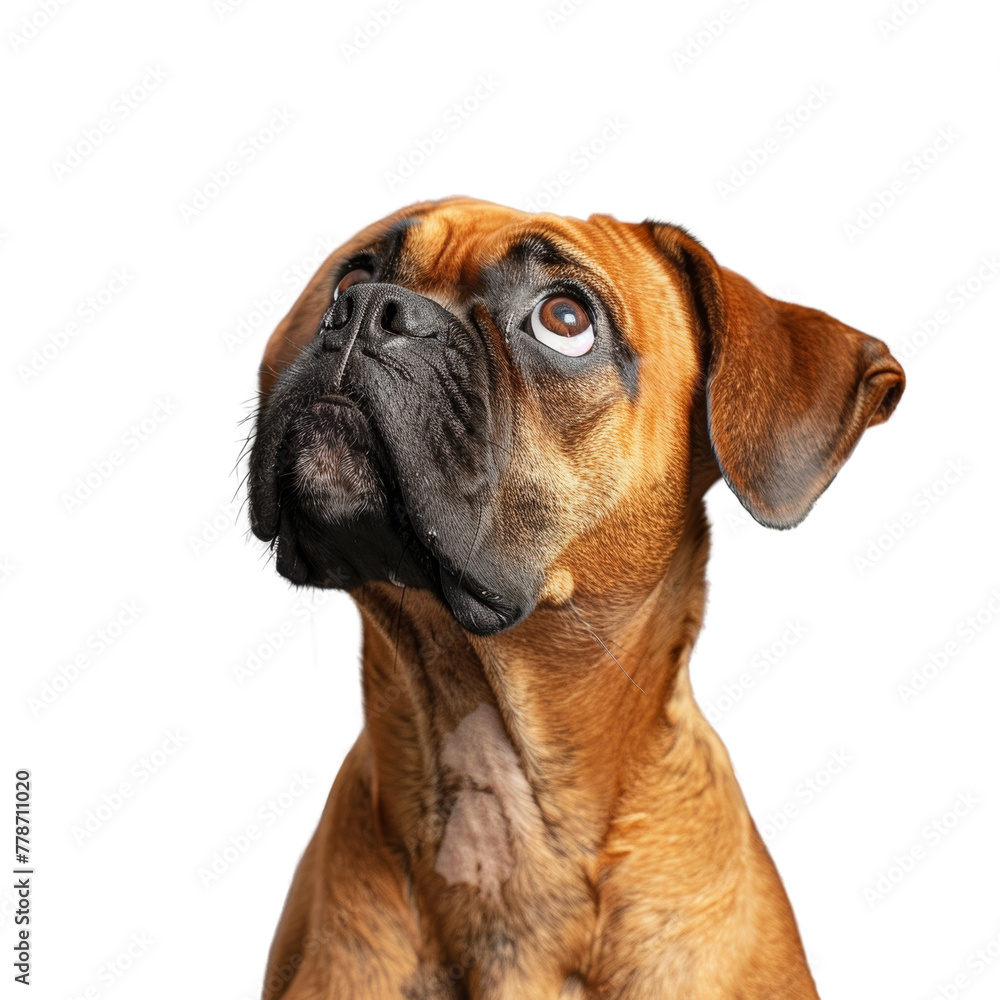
(494, 816)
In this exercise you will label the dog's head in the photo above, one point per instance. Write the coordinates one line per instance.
(506, 408)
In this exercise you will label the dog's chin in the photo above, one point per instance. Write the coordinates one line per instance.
(335, 519)
(342, 522)
(476, 608)
(331, 464)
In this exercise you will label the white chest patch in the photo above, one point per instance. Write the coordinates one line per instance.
(488, 820)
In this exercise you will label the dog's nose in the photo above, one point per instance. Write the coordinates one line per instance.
(377, 309)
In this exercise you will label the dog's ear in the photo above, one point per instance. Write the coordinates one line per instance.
(789, 390)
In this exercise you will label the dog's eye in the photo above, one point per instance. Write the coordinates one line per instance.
(351, 278)
(563, 324)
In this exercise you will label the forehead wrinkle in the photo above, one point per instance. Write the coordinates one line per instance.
(438, 250)
(449, 256)
(460, 237)
(436, 265)
(459, 245)
(521, 251)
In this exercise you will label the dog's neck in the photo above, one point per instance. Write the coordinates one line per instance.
(529, 790)
(556, 720)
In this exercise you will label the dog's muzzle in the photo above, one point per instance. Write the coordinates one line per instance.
(374, 457)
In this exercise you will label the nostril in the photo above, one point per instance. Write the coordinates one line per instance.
(334, 320)
(389, 318)
(339, 314)
(397, 319)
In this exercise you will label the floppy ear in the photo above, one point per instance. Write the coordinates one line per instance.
(789, 389)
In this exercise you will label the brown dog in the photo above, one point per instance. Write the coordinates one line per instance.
(495, 429)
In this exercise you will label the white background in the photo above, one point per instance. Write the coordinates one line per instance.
(184, 330)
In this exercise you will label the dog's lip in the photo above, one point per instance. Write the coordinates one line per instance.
(479, 610)
(332, 401)
(272, 489)
(477, 606)
(273, 451)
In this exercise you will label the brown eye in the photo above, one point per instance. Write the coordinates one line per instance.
(351, 278)
(563, 324)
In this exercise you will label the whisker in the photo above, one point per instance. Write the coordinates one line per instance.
(399, 610)
(472, 547)
(399, 622)
(601, 641)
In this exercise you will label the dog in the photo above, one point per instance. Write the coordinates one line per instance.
(495, 430)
